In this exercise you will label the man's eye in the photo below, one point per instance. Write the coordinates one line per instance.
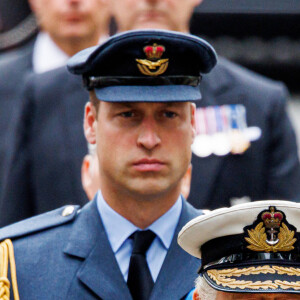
(170, 114)
(127, 114)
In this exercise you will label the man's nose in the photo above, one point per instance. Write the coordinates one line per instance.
(149, 136)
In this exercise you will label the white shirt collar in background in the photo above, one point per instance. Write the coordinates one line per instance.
(47, 55)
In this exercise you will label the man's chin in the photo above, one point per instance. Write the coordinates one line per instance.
(150, 190)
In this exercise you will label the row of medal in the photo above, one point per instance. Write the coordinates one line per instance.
(222, 130)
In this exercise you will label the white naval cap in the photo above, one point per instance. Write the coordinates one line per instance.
(252, 247)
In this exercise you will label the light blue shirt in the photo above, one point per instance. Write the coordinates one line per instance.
(119, 230)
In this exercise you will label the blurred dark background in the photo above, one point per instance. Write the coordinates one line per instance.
(263, 35)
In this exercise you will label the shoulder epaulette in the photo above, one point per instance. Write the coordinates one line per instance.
(7, 257)
(41, 222)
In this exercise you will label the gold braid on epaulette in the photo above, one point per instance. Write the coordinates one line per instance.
(7, 255)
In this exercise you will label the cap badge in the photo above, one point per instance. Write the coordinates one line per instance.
(271, 234)
(153, 65)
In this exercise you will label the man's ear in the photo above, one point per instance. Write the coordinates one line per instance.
(193, 119)
(90, 123)
(85, 173)
(196, 295)
(186, 182)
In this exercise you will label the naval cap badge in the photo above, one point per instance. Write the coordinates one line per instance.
(153, 65)
(270, 232)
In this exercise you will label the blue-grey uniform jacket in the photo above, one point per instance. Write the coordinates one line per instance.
(69, 257)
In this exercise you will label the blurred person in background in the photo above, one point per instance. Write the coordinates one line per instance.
(246, 147)
(66, 27)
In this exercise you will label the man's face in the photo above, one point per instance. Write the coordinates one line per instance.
(70, 19)
(240, 296)
(144, 149)
(158, 14)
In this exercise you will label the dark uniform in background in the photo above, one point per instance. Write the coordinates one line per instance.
(17, 31)
(269, 167)
(45, 160)
(11, 93)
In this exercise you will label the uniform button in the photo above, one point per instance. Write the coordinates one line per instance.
(68, 211)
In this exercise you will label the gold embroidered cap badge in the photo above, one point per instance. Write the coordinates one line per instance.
(153, 65)
(271, 234)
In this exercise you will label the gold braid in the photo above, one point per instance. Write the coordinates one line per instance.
(7, 254)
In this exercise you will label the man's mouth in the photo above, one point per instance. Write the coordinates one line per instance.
(149, 165)
(74, 17)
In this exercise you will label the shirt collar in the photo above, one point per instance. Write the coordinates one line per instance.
(46, 54)
(118, 228)
(165, 226)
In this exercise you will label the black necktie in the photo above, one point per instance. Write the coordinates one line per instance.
(140, 282)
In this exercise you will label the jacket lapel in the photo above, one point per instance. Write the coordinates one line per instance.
(98, 270)
(179, 269)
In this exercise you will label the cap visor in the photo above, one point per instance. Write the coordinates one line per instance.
(164, 93)
(266, 278)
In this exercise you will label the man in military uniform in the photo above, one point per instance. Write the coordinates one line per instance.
(249, 251)
(141, 118)
(66, 27)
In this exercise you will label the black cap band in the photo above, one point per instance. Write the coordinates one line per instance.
(233, 248)
(93, 82)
